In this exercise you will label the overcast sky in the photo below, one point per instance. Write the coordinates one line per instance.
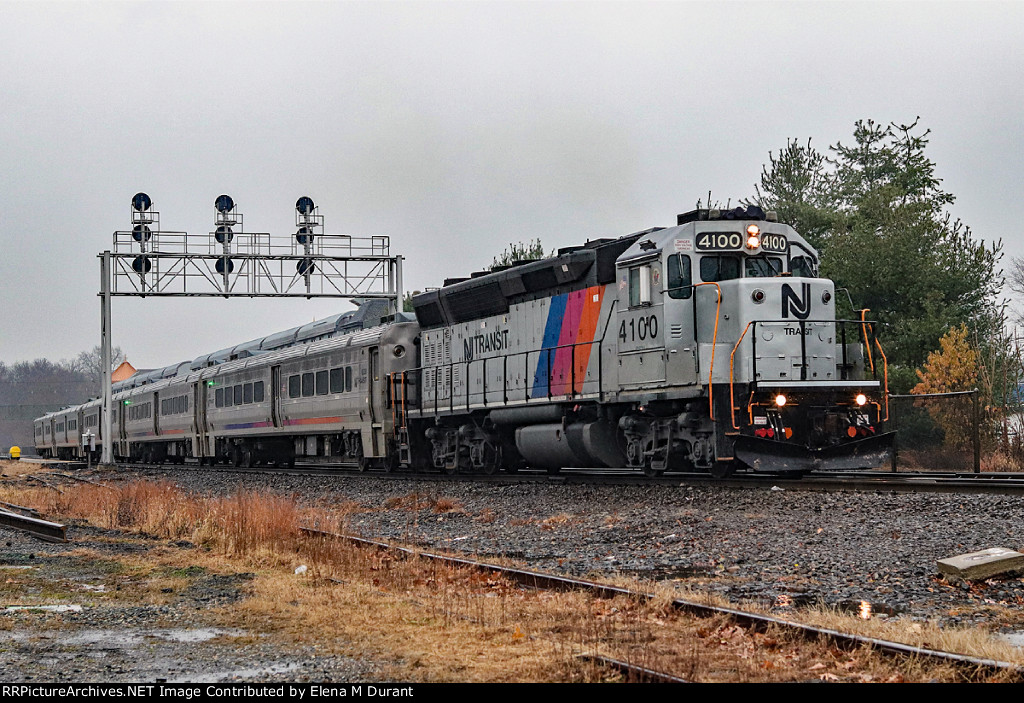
(453, 128)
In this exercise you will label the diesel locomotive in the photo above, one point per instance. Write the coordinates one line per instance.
(712, 346)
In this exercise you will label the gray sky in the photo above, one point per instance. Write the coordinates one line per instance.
(454, 128)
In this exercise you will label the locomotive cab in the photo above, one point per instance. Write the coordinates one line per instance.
(728, 308)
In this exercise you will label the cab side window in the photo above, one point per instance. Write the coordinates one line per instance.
(639, 286)
(679, 278)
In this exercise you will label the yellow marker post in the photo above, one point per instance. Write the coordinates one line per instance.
(15, 453)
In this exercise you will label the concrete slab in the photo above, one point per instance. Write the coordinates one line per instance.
(982, 565)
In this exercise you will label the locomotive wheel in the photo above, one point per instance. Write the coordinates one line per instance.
(723, 469)
(652, 472)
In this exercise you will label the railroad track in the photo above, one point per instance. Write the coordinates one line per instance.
(903, 482)
(43, 529)
(755, 621)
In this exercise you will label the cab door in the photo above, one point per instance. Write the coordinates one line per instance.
(680, 336)
(275, 395)
(199, 418)
(641, 324)
(375, 448)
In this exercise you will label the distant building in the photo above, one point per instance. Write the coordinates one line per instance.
(125, 370)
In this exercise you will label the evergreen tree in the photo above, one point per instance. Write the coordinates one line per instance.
(878, 215)
(519, 252)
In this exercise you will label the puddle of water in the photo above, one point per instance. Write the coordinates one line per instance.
(45, 608)
(793, 600)
(1014, 638)
(861, 608)
(866, 610)
(674, 573)
(119, 639)
(199, 634)
(256, 672)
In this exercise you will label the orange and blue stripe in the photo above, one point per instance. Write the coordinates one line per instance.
(566, 346)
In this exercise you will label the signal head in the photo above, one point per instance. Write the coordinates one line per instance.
(304, 205)
(224, 203)
(141, 202)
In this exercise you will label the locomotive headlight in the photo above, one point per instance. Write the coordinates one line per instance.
(780, 400)
(753, 237)
(825, 297)
(862, 399)
(757, 296)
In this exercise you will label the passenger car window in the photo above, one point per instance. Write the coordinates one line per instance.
(257, 392)
(348, 379)
(219, 398)
(247, 393)
(294, 386)
(322, 385)
(238, 394)
(337, 380)
(307, 385)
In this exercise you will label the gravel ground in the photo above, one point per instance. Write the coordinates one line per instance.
(780, 548)
(110, 640)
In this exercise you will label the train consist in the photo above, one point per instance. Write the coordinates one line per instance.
(710, 346)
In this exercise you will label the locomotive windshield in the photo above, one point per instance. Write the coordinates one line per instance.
(719, 268)
(763, 266)
(802, 266)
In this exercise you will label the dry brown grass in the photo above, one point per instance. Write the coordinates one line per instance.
(560, 520)
(17, 469)
(437, 623)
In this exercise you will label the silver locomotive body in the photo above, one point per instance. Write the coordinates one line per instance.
(708, 345)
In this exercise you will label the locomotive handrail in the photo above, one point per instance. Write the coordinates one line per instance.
(547, 351)
(864, 327)
(885, 375)
(803, 356)
(714, 341)
(732, 396)
(469, 395)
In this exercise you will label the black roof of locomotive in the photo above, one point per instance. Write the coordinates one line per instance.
(485, 294)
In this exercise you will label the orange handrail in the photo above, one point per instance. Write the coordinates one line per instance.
(732, 396)
(885, 375)
(867, 343)
(714, 343)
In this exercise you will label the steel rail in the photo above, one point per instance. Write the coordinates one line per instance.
(635, 672)
(545, 581)
(43, 529)
(902, 482)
